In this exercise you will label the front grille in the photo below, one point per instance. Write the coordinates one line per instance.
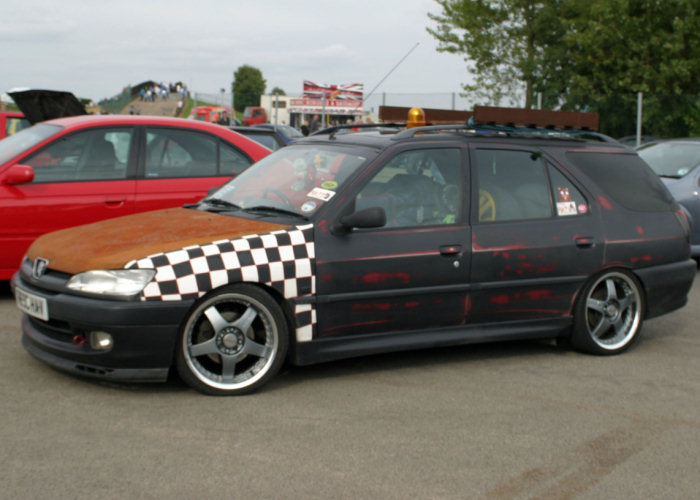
(51, 280)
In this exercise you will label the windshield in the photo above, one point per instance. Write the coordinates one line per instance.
(296, 179)
(25, 139)
(671, 159)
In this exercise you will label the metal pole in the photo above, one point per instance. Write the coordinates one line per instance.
(640, 99)
(277, 106)
(539, 100)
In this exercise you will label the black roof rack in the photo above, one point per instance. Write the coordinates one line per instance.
(493, 121)
(357, 127)
(506, 130)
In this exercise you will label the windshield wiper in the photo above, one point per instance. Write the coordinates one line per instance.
(220, 204)
(275, 210)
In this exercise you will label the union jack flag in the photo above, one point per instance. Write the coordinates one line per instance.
(351, 92)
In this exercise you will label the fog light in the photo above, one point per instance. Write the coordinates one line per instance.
(101, 341)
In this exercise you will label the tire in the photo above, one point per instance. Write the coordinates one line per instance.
(608, 315)
(232, 342)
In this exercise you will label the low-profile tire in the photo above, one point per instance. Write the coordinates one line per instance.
(608, 314)
(232, 342)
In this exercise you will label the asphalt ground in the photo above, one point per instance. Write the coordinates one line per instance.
(496, 421)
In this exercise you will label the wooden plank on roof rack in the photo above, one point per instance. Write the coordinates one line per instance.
(519, 117)
(432, 116)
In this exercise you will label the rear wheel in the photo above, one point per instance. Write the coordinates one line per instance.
(233, 342)
(608, 314)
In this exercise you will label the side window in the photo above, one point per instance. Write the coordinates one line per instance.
(180, 153)
(567, 198)
(520, 185)
(99, 154)
(512, 186)
(233, 162)
(417, 188)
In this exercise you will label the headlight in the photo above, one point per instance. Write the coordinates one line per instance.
(122, 282)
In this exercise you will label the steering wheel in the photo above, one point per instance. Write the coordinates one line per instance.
(487, 206)
(277, 193)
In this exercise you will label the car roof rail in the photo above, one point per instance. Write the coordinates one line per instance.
(506, 130)
(356, 127)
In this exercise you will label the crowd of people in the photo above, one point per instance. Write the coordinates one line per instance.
(161, 90)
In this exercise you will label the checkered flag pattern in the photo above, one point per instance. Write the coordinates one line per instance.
(283, 260)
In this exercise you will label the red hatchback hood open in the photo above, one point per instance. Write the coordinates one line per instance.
(112, 243)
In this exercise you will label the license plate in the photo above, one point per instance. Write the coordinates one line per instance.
(31, 304)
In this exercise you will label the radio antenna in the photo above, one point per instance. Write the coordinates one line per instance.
(391, 71)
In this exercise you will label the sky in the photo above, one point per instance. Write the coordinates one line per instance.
(94, 48)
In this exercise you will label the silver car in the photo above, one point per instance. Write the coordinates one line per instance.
(676, 162)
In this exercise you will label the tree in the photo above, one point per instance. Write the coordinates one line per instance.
(277, 91)
(248, 86)
(587, 55)
(618, 48)
(506, 45)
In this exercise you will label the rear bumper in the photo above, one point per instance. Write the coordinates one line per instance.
(144, 335)
(667, 286)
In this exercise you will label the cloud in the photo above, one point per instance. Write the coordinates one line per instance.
(94, 49)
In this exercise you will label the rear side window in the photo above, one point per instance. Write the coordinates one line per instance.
(521, 185)
(626, 179)
(180, 153)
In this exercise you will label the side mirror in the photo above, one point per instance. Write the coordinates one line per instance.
(18, 174)
(363, 219)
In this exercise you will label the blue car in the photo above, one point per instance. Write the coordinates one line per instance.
(676, 162)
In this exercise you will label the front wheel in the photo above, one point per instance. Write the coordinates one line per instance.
(608, 314)
(233, 342)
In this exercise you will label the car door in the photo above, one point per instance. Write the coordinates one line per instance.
(81, 177)
(179, 166)
(536, 236)
(411, 274)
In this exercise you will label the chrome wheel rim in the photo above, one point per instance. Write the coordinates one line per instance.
(230, 341)
(613, 311)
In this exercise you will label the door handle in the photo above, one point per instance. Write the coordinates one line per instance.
(114, 202)
(449, 250)
(584, 241)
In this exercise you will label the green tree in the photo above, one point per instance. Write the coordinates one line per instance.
(277, 91)
(248, 86)
(617, 48)
(506, 45)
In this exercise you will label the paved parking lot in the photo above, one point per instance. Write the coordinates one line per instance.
(515, 420)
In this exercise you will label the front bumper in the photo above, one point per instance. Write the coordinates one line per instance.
(144, 335)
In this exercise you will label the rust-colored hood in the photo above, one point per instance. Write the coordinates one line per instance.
(112, 243)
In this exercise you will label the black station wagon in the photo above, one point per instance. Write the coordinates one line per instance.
(352, 243)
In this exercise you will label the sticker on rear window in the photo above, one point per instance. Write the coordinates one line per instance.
(565, 205)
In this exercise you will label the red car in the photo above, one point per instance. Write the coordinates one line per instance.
(82, 169)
